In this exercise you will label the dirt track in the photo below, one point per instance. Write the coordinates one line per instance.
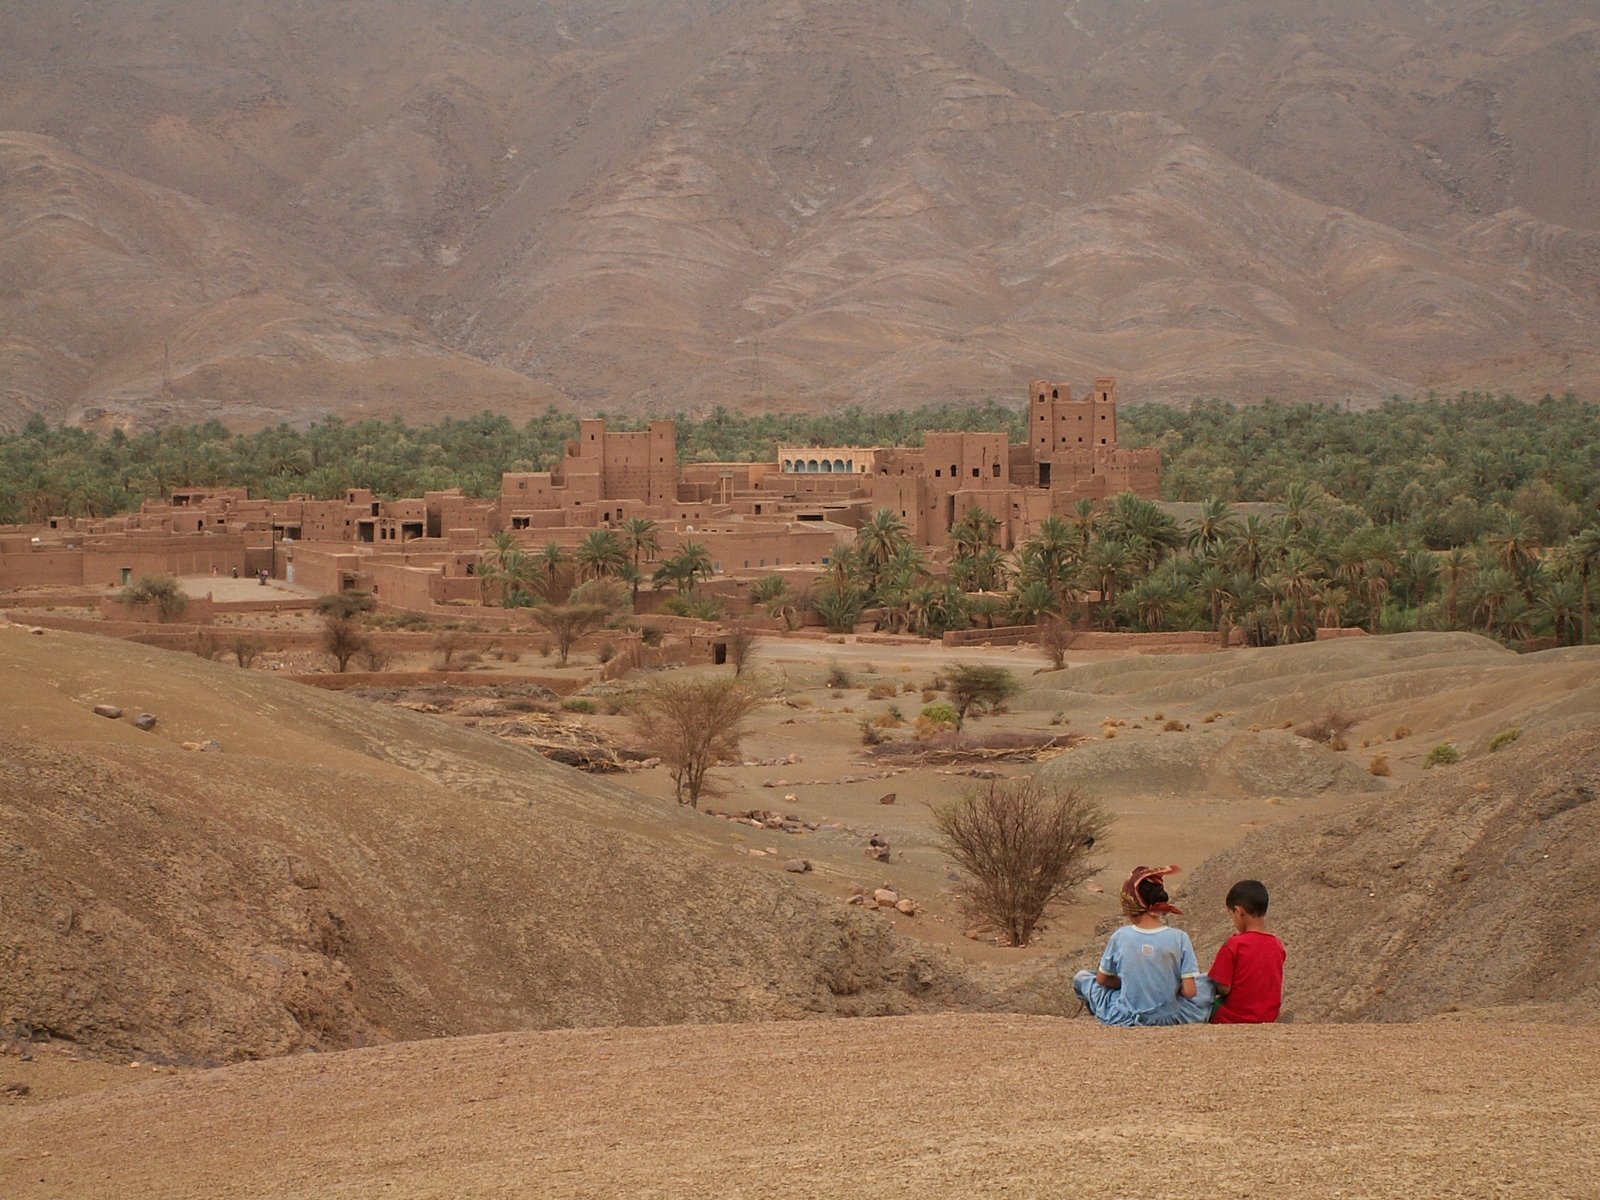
(912, 1107)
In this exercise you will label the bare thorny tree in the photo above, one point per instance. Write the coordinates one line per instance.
(693, 724)
(1021, 845)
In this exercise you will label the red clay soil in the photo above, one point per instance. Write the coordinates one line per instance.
(951, 1105)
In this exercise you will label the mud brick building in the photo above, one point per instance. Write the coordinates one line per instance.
(787, 514)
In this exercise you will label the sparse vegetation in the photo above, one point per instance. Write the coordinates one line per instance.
(1055, 636)
(246, 650)
(567, 623)
(691, 723)
(346, 604)
(1379, 765)
(578, 704)
(1021, 846)
(163, 593)
(838, 677)
(975, 688)
(1442, 755)
(742, 639)
(1503, 739)
(447, 645)
(871, 732)
(882, 691)
(342, 638)
(373, 657)
(1329, 728)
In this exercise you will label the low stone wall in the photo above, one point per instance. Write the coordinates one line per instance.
(1328, 635)
(562, 685)
(1005, 635)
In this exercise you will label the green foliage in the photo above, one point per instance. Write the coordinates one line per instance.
(1503, 739)
(578, 704)
(1442, 755)
(940, 712)
(346, 604)
(161, 592)
(974, 688)
(701, 608)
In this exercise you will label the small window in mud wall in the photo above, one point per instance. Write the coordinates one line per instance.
(937, 473)
(977, 472)
(954, 470)
(997, 470)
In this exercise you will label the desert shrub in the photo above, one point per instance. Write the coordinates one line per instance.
(569, 622)
(882, 691)
(245, 650)
(1330, 727)
(342, 638)
(691, 724)
(406, 620)
(798, 701)
(1055, 636)
(929, 695)
(742, 641)
(871, 733)
(1174, 726)
(894, 711)
(650, 635)
(1441, 755)
(373, 658)
(838, 677)
(206, 645)
(1021, 845)
(605, 653)
(544, 649)
(1503, 739)
(1402, 732)
(888, 720)
(578, 704)
(941, 713)
(448, 644)
(976, 688)
(346, 604)
(161, 592)
(908, 688)
(698, 605)
(1379, 765)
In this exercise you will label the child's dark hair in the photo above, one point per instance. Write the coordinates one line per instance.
(1152, 891)
(1250, 895)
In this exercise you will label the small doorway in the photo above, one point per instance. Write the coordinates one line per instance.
(719, 653)
(1044, 474)
(127, 576)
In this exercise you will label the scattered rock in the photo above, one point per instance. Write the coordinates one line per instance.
(190, 745)
(888, 799)
(878, 848)
(858, 898)
(909, 907)
(797, 866)
(107, 710)
(211, 747)
(36, 630)
(791, 798)
(145, 721)
(886, 896)
(869, 902)
(857, 890)
(16, 1089)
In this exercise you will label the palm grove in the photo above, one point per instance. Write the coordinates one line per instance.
(1473, 513)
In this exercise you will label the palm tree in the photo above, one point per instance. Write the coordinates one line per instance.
(641, 539)
(1561, 605)
(601, 553)
(878, 541)
(973, 532)
(686, 567)
(1457, 567)
(1582, 554)
(1109, 563)
(1212, 529)
(491, 564)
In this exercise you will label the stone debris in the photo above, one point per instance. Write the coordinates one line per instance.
(878, 848)
(145, 721)
(759, 818)
(888, 798)
(16, 1089)
(211, 747)
(886, 896)
(190, 745)
(797, 866)
(107, 710)
(881, 899)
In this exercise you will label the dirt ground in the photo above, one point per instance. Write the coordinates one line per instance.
(914, 1107)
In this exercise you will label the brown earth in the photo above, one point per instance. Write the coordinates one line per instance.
(789, 203)
(946, 1105)
(343, 873)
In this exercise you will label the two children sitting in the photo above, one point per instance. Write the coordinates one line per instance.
(1149, 975)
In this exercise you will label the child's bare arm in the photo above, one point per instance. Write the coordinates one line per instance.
(1187, 987)
(1108, 981)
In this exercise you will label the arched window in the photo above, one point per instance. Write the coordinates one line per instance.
(812, 466)
(838, 465)
(788, 464)
(827, 467)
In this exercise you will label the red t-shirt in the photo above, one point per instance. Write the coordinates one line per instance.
(1250, 966)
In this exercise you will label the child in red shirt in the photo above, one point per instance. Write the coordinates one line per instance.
(1248, 971)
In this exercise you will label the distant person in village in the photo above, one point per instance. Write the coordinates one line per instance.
(1248, 971)
(1148, 974)
(263, 577)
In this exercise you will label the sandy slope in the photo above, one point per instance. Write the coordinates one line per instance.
(915, 1107)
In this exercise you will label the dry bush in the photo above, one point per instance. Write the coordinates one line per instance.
(871, 732)
(448, 645)
(1022, 845)
(691, 724)
(569, 622)
(342, 638)
(162, 592)
(798, 701)
(1329, 728)
(245, 650)
(1210, 717)
(1402, 732)
(882, 691)
(605, 653)
(206, 645)
(888, 720)
(373, 658)
(1379, 765)
(908, 688)
(1174, 726)
(742, 641)
(1055, 637)
(838, 677)
(929, 695)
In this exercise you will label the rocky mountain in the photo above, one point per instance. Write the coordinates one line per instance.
(669, 204)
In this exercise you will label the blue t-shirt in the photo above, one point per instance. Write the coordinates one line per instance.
(1151, 964)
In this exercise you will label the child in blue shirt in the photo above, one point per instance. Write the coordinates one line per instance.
(1148, 974)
